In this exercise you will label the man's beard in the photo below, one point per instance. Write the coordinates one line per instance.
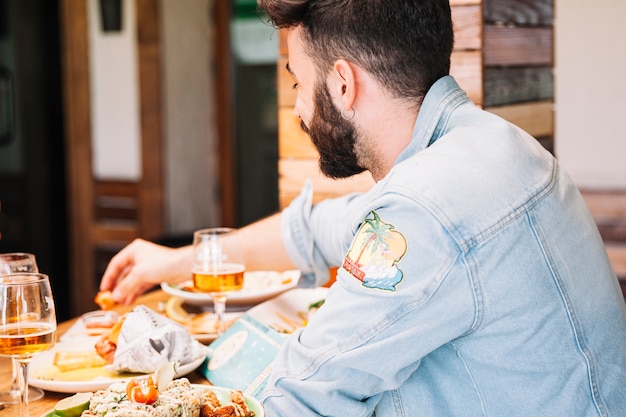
(333, 136)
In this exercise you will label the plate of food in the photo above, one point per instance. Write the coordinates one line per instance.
(291, 310)
(75, 366)
(201, 324)
(258, 286)
(181, 398)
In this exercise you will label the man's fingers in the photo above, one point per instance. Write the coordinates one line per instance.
(117, 268)
(129, 289)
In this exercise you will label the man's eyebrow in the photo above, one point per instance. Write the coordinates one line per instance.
(288, 68)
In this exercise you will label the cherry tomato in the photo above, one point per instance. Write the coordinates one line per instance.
(142, 391)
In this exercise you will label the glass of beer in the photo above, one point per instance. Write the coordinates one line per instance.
(27, 322)
(218, 266)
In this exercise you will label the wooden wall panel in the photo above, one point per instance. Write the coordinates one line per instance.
(282, 43)
(466, 68)
(80, 190)
(286, 93)
(536, 118)
(506, 85)
(294, 173)
(519, 12)
(292, 141)
(517, 45)
(150, 192)
(467, 27)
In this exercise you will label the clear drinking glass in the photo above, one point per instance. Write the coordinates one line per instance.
(11, 263)
(218, 266)
(27, 323)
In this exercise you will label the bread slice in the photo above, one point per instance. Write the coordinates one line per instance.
(70, 360)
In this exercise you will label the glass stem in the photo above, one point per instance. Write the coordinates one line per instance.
(15, 386)
(22, 379)
(219, 305)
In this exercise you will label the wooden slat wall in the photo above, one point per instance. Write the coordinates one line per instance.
(466, 61)
(518, 62)
(534, 117)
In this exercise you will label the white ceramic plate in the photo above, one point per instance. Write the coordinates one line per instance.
(222, 395)
(258, 286)
(45, 360)
(289, 310)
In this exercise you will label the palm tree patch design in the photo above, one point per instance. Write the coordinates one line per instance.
(374, 254)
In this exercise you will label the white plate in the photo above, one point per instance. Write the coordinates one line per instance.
(288, 311)
(40, 363)
(222, 395)
(258, 286)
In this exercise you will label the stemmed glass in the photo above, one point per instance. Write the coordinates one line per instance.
(218, 266)
(11, 263)
(27, 322)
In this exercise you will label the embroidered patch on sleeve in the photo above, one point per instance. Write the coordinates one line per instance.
(374, 254)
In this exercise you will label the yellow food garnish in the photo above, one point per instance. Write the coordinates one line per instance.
(175, 310)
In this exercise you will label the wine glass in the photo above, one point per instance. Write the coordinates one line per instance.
(27, 322)
(218, 266)
(11, 263)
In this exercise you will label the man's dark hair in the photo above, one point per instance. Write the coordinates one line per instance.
(405, 44)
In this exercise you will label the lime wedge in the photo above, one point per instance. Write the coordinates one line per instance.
(73, 406)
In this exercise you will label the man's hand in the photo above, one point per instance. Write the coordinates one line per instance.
(141, 265)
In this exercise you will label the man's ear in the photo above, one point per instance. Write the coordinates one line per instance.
(344, 84)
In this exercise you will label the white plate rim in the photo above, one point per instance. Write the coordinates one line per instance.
(248, 397)
(236, 297)
(71, 387)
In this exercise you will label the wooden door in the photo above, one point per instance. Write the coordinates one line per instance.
(106, 215)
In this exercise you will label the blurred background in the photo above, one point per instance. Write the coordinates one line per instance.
(153, 118)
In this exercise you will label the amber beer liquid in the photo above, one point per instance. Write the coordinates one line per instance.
(26, 339)
(228, 278)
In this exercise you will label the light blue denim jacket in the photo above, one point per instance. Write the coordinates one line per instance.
(474, 283)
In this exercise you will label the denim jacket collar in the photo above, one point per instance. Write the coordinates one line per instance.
(440, 101)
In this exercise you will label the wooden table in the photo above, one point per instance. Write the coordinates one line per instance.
(42, 406)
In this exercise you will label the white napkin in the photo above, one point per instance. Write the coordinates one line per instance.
(148, 340)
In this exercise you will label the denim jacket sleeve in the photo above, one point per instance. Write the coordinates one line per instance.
(314, 239)
(359, 340)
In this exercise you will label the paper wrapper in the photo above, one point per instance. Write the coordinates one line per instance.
(148, 340)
